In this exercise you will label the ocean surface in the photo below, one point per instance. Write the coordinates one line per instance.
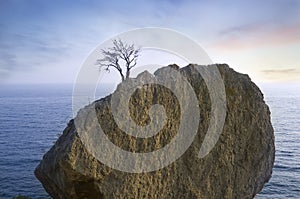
(32, 117)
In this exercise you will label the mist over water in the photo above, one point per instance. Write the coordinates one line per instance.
(32, 117)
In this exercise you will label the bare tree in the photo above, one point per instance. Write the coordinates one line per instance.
(118, 55)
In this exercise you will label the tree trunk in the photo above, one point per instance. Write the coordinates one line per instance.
(127, 74)
(122, 76)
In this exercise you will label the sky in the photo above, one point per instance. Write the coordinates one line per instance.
(48, 41)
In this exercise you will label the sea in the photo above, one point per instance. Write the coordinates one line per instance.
(33, 116)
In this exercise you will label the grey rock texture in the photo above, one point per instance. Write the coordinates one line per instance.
(238, 166)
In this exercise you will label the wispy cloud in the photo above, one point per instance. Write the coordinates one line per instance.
(38, 34)
(282, 74)
(258, 35)
(280, 71)
(25, 51)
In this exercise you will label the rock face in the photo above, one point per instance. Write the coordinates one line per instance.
(237, 167)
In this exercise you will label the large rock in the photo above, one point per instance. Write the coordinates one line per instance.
(237, 167)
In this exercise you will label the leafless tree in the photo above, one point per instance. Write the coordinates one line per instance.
(121, 56)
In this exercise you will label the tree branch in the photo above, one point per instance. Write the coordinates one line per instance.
(120, 50)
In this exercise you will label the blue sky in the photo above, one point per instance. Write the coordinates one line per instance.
(47, 41)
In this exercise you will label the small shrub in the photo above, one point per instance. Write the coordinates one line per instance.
(19, 196)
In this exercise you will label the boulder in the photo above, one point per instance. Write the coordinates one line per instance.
(238, 165)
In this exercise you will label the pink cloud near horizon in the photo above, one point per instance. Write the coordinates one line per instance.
(259, 35)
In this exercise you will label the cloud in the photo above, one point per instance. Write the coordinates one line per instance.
(24, 51)
(272, 24)
(286, 74)
(44, 34)
(280, 71)
(258, 35)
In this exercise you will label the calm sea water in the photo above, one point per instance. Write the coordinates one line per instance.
(31, 117)
(284, 102)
